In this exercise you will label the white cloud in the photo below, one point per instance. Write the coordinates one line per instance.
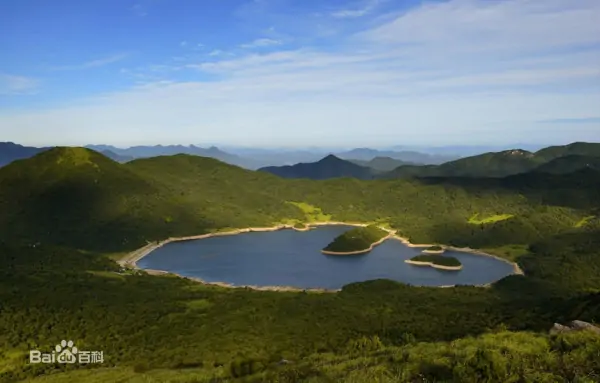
(93, 63)
(442, 73)
(17, 85)
(366, 8)
(261, 43)
(183, 43)
(494, 25)
(215, 52)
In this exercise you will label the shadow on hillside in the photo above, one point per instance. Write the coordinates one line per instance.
(579, 190)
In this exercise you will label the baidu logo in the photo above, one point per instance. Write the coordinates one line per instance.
(66, 352)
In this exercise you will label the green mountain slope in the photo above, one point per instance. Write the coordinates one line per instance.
(501, 164)
(78, 197)
(63, 195)
(577, 148)
(484, 165)
(569, 163)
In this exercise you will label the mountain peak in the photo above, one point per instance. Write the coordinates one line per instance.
(330, 158)
(73, 156)
(517, 152)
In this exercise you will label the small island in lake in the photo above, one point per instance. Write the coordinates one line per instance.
(359, 240)
(436, 261)
(433, 250)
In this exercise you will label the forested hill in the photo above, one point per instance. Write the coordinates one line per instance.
(506, 163)
(326, 168)
(569, 163)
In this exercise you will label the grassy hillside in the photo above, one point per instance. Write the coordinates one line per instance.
(78, 197)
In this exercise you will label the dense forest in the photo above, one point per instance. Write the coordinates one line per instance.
(67, 212)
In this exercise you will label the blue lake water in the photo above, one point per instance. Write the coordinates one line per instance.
(292, 258)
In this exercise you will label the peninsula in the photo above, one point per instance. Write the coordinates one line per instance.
(359, 240)
(436, 261)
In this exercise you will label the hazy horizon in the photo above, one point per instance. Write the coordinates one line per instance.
(323, 148)
(358, 73)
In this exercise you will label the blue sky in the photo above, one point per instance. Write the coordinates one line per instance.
(299, 72)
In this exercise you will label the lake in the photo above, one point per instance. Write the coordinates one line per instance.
(292, 258)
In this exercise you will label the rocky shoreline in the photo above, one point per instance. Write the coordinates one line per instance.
(131, 259)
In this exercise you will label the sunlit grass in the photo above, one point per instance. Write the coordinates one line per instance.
(584, 221)
(491, 219)
(312, 213)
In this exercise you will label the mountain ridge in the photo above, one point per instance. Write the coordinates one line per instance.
(328, 167)
(498, 164)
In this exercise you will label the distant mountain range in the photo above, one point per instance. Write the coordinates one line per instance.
(466, 150)
(366, 154)
(555, 159)
(362, 163)
(170, 150)
(10, 152)
(245, 158)
(116, 157)
(381, 164)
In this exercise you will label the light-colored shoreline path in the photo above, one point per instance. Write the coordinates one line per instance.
(130, 260)
(431, 264)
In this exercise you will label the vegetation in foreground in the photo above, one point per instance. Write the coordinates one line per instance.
(357, 239)
(437, 259)
(495, 357)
